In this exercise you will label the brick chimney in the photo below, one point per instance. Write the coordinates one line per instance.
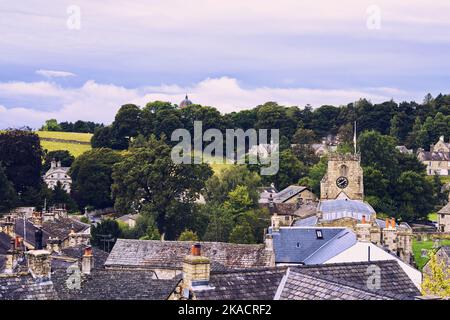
(39, 264)
(87, 261)
(196, 268)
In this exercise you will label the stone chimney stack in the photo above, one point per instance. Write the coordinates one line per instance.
(11, 258)
(8, 226)
(53, 163)
(39, 264)
(37, 218)
(87, 261)
(196, 268)
(58, 164)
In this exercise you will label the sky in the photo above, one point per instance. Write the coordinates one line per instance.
(82, 59)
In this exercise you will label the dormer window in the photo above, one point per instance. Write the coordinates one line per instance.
(319, 234)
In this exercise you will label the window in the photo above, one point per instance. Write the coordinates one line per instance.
(319, 234)
(298, 245)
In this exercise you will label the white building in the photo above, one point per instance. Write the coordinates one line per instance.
(56, 174)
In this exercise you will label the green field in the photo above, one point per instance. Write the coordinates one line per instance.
(75, 143)
(417, 250)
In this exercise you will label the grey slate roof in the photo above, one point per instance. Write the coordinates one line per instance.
(299, 286)
(103, 284)
(445, 209)
(24, 287)
(306, 222)
(288, 193)
(59, 228)
(434, 156)
(2, 262)
(300, 245)
(68, 255)
(258, 284)
(170, 254)
(393, 279)
(341, 208)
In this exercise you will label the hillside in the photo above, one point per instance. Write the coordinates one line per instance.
(75, 143)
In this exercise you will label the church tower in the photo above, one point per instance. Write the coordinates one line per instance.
(344, 178)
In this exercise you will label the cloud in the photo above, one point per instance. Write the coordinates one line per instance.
(55, 74)
(100, 102)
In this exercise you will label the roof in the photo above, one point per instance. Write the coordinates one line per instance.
(446, 249)
(186, 102)
(70, 254)
(299, 286)
(259, 284)
(24, 287)
(5, 243)
(445, 209)
(343, 281)
(170, 254)
(128, 217)
(2, 262)
(104, 284)
(306, 222)
(393, 279)
(60, 228)
(434, 156)
(288, 193)
(300, 245)
(342, 208)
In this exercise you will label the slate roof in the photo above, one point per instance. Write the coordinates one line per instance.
(259, 284)
(300, 245)
(341, 208)
(306, 222)
(299, 286)
(2, 262)
(70, 255)
(103, 284)
(59, 228)
(287, 193)
(170, 254)
(24, 287)
(434, 156)
(446, 249)
(5, 243)
(393, 279)
(445, 209)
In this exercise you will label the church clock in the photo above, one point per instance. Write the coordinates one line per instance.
(342, 182)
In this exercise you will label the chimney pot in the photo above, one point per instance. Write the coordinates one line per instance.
(387, 223)
(87, 261)
(196, 250)
(363, 219)
(393, 223)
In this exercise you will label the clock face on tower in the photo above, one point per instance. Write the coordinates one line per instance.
(342, 182)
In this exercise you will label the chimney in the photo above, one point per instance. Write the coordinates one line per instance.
(196, 268)
(393, 223)
(9, 226)
(58, 164)
(387, 223)
(363, 221)
(87, 261)
(54, 245)
(11, 258)
(39, 264)
(441, 138)
(38, 239)
(37, 218)
(53, 163)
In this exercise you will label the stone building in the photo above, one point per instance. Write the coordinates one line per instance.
(56, 174)
(443, 256)
(344, 178)
(437, 160)
(444, 218)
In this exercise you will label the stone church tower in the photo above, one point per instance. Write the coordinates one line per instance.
(344, 177)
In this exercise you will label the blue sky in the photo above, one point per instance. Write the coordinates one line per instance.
(232, 55)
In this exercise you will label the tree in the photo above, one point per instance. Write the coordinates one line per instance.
(106, 230)
(291, 170)
(436, 280)
(59, 155)
(148, 176)
(304, 136)
(21, 156)
(92, 178)
(8, 196)
(242, 233)
(59, 196)
(127, 121)
(219, 186)
(395, 127)
(315, 175)
(188, 235)
(51, 125)
(239, 200)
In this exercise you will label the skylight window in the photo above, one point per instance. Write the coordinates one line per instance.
(319, 234)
